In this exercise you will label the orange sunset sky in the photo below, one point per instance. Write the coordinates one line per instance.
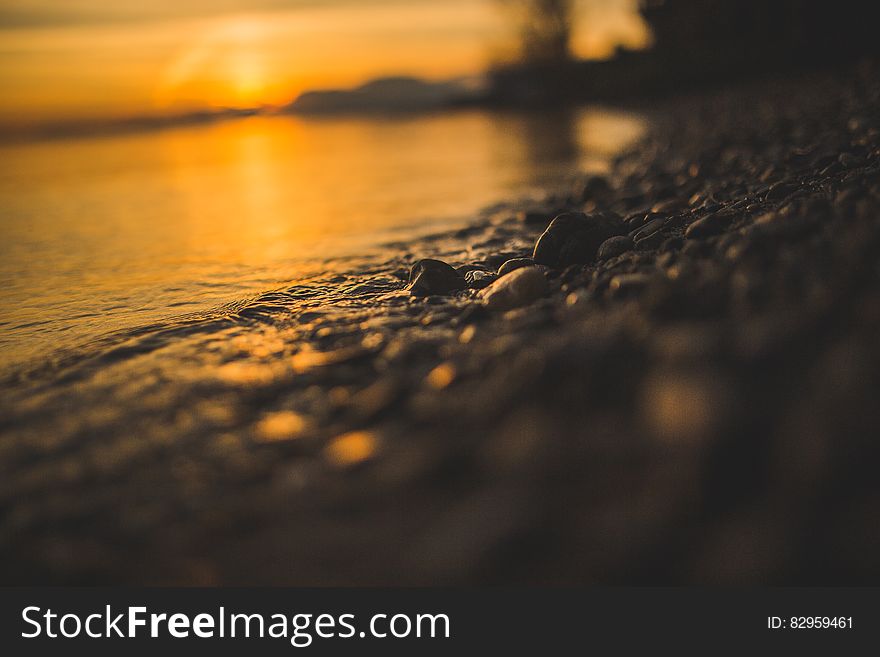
(69, 60)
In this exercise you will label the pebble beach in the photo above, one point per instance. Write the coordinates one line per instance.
(665, 374)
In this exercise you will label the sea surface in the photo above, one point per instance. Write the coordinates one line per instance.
(108, 234)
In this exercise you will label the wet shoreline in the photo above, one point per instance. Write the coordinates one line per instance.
(182, 221)
(691, 404)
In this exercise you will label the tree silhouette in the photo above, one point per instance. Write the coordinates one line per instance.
(544, 29)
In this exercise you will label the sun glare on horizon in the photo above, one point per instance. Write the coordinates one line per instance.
(72, 71)
(225, 67)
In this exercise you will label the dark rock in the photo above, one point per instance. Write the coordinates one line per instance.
(654, 225)
(712, 224)
(614, 246)
(513, 264)
(520, 288)
(478, 279)
(651, 242)
(639, 220)
(495, 260)
(573, 238)
(668, 205)
(428, 277)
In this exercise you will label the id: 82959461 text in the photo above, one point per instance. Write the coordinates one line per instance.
(810, 623)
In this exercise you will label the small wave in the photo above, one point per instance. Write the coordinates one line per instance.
(271, 307)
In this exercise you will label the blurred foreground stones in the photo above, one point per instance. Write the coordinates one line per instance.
(682, 391)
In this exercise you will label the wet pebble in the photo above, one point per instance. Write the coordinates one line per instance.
(712, 224)
(514, 264)
(430, 277)
(573, 238)
(478, 279)
(650, 228)
(650, 242)
(517, 289)
(614, 246)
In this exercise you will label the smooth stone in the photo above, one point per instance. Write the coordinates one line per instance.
(650, 228)
(428, 277)
(652, 241)
(517, 289)
(573, 238)
(636, 220)
(514, 264)
(712, 224)
(614, 246)
(666, 206)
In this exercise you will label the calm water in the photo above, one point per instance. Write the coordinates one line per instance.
(101, 234)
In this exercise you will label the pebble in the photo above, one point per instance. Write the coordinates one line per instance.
(573, 238)
(428, 277)
(514, 264)
(515, 290)
(479, 279)
(649, 228)
(650, 242)
(614, 246)
(680, 394)
(712, 224)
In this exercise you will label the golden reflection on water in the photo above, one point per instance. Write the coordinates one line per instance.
(111, 232)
